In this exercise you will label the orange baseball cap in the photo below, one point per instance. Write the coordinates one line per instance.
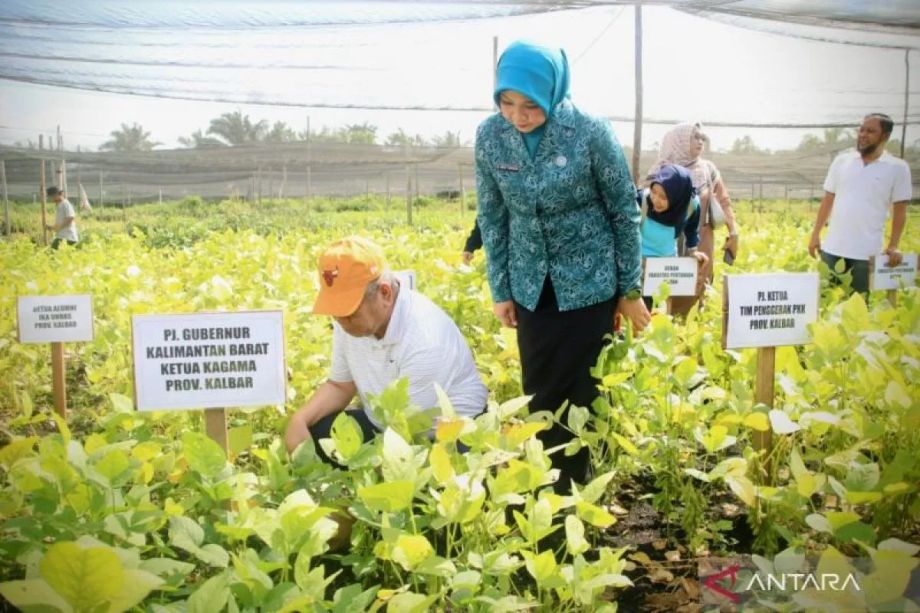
(345, 269)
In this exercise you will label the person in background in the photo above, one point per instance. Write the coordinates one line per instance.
(683, 145)
(670, 207)
(560, 225)
(382, 332)
(65, 219)
(473, 242)
(860, 188)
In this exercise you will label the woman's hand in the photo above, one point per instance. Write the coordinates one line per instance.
(635, 312)
(506, 313)
(467, 257)
(701, 260)
(731, 244)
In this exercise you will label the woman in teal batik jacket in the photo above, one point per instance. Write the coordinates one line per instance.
(560, 225)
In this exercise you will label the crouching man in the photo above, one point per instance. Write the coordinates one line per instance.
(382, 332)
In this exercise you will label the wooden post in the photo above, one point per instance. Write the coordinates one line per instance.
(763, 393)
(462, 191)
(416, 184)
(309, 182)
(124, 198)
(62, 174)
(100, 189)
(408, 196)
(906, 98)
(59, 379)
(892, 295)
(215, 425)
(44, 204)
(386, 206)
(283, 182)
(160, 195)
(637, 122)
(41, 142)
(6, 200)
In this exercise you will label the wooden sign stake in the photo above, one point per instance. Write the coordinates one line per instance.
(59, 379)
(892, 297)
(215, 425)
(763, 393)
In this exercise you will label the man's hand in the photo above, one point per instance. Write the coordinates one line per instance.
(297, 432)
(506, 313)
(814, 245)
(635, 311)
(895, 257)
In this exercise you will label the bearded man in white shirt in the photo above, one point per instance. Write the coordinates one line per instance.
(860, 188)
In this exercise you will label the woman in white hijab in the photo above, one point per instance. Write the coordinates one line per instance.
(683, 145)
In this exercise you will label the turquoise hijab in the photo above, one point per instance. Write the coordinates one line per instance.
(541, 74)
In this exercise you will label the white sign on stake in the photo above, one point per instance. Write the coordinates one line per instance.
(679, 273)
(55, 319)
(769, 310)
(208, 360)
(881, 276)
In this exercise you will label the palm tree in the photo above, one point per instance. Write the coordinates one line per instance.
(198, 140)
(280, 133)
(236, 129)
(129, 139)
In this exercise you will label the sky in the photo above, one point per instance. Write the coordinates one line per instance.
(694, 68)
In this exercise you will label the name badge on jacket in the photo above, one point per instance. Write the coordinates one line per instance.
(508, 167)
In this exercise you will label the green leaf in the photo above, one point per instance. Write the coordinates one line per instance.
(896, 395)
(854, 314)
(410, 602)
(137, 585)
(862, 477)
(575, 535)
(347, 435)
(212, 595)
(33, 595)
(542, 567)
(594, 515)
(411, 550)
(389, 497)
(437, 566)
(597, 488)
(203, 454)
(819, 523)
(85, 578)
(239, 439)
(781, 423)
(625, 443)
(684, 371)
(398, 459)
(185, 533)
(121, 403)
(743, 488)
(16, 450)
(441, 467)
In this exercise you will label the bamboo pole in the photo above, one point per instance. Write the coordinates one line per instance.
(637, 123)
(44, 204)
(6, 200)
(408, 196)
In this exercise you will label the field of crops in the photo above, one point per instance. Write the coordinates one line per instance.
(113, 510)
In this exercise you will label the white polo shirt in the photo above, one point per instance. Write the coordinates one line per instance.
(863, 195)
(421, 343)
(65, 210)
